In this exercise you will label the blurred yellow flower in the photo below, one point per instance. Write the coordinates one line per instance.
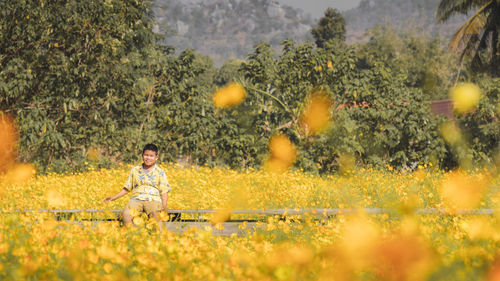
(107, 267)
(106, 252)
(8, 142)
(296, 255)
(330, 64)
(93, 153)
(221, 215)
(459, 190)
(229, 96)
(346, 162)
(450, 133)
(54, 198)
(404, 257)
(479, 228)
(138, 221)
(134, 212)
(466, 97)
(316, 116)
(283, 154)
(18, 174)
(360, 237)
(494, 271)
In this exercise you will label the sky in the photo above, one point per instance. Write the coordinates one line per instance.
(317, 7)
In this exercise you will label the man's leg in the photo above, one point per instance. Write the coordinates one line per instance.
(127, 216)
(152, 208)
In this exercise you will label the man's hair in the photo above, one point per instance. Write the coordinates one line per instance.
(151, 147)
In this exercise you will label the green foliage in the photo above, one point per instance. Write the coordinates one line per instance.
(330, 27)
(479, 37)
(75, 74)
(481, 127)
(88, 82)
(377, 117)
(424, 62)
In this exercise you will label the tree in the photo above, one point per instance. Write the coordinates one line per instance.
(423, 60)
(76, 74)
(331, 26)
(377, 118)
(479, 36)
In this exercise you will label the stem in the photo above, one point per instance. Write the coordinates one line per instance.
(274, 98)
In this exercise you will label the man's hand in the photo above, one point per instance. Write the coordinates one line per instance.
(116, 196)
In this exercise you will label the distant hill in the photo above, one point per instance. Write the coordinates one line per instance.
(413, 14)
(231, 28)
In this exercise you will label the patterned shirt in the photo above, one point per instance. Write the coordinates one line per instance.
(147, 185)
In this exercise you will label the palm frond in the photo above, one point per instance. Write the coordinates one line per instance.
(473, 26)
(448, 8)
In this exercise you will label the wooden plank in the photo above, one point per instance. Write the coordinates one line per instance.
(267, 212)
(222, 229)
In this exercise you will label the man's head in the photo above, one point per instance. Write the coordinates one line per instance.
(149, 154)
(151, 147)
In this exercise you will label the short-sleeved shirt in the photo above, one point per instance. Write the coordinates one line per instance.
(147, 185)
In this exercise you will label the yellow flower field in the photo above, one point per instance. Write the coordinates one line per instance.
(400, 245)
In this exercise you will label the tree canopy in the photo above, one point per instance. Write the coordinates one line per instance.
(330, 27)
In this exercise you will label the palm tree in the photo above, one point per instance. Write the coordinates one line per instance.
(478, 38)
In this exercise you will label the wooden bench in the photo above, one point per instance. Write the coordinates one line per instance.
(244, 214)
(240, 223)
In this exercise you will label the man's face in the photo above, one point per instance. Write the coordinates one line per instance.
(149, 157)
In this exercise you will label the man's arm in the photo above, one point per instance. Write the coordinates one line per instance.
(116, 196)
(164, 199)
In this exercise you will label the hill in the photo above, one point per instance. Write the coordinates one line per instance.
(230, 29)
(405, 14)
(224, 29)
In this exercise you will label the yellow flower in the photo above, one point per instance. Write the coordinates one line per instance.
(54, 198)
(450, 133)
(93, 153)
(282, 149)
(461, 191)
(107, 267)
(18, 174)
(347, 162)
(8, 142)
(479, 228)
(330, 64)
(93, 258)
(138, 221)
(466, 97)
(360, 237)
(4, 247)
(316, 116)
(106, 252)
(229, 96)
(221, 215)
(283, 154)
